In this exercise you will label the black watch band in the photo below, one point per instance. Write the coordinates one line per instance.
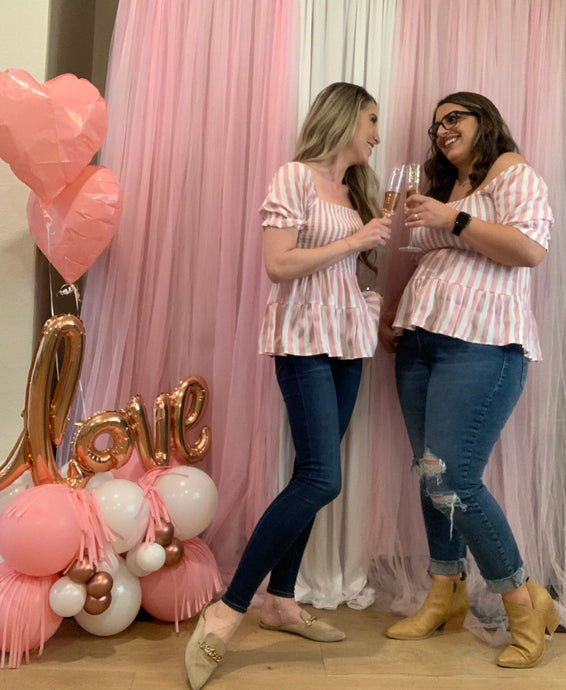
(462, 221)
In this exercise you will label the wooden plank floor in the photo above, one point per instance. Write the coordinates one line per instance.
(149, 656)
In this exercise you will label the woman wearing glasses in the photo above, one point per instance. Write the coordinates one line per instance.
(468, 333)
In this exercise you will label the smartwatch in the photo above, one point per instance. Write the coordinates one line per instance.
(462, 221)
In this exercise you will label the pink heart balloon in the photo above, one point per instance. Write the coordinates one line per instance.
(49, 132)
(74, 229)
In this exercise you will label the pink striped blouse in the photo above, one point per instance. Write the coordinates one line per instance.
(324, 312)
(459, 292)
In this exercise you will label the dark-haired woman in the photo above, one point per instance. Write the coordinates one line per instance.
(319, 215)
(468, 333)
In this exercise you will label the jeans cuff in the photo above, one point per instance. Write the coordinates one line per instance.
(280, 593)
(506, 584)
(233, 604)
(448, 567)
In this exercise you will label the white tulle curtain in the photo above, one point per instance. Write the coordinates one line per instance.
(336, 562)
(204, 98)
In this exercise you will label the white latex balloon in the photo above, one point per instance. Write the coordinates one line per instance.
(124, 607)
(110, 562)
(23, 482)
(67, 597)
(98, 479)
(123, 507)
(132, 564)
(150, 557)
(190, 497)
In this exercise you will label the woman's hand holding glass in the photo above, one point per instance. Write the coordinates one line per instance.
(414, 210)
(376, 233)
(424, 211)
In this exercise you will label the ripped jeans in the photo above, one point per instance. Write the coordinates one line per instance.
(456, 398)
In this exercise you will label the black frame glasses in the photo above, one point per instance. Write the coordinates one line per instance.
(448, 121)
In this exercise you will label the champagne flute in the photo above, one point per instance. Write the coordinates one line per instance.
(412, 182)
(391, 198)
(392, 191)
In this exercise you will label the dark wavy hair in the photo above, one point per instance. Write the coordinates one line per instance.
(492, 139)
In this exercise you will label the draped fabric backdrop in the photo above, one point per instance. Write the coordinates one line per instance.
(205, 98)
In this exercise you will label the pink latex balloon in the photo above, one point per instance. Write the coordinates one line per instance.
(26, 619)
(178, 592)
(39, 530)
(49, 132)
(76, 227)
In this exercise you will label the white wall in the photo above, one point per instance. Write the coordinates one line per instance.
(23, 45)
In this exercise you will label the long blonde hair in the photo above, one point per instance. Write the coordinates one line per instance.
(328, 127)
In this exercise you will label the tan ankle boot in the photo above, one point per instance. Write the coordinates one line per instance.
(527, 628)
(446, 604)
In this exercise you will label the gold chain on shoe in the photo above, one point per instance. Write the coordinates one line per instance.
(212, 653)
(310, 620)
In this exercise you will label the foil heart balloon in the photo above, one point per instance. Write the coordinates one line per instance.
(74, 229)
(49, 132)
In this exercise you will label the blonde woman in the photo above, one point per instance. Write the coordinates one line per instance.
(319, 215)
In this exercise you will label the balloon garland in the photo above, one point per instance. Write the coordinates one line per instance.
(82, 543)
(83, 550)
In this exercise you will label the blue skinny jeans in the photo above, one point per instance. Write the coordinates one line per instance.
(456, 397)
(319, 393)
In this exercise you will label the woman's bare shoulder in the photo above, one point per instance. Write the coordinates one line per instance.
(505, 160)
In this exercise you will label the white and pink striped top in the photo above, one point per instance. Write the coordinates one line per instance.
(324, 312)
(459, 292)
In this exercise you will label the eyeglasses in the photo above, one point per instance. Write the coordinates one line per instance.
(448, 121)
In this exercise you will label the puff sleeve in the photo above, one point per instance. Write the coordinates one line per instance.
(520, 196)
(289, 198)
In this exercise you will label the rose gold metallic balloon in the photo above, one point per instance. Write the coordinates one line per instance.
(113, 424)
(192, 393)
(47, 409)
(81, 570)
(96, 606)
(164, 533)
(99, 585)
(153, 450)
(174, 552)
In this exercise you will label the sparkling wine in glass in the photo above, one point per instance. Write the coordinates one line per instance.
(392, 194)
(412, 186)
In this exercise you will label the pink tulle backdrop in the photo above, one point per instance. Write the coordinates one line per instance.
(204, 98)
(202, 92)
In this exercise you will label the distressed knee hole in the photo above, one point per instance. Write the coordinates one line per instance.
(431, 469)
(447, 503)
(429, 465)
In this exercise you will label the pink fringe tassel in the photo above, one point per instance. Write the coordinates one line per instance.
(97, 536)
(157, 510)
(195, 580)
(24, 613)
